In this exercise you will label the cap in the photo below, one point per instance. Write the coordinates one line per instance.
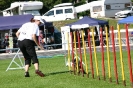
(38, 18)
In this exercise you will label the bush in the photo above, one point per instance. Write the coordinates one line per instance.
(85, 13)
(80, 3)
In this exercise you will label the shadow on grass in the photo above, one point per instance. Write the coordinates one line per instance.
(54, 73)
(71, 72)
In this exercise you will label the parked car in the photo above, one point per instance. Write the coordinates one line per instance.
(125, 13)
(64, 11)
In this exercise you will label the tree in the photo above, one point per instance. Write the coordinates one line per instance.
(66, 1)
(5, 4)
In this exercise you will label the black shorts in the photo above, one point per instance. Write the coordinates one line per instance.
(27, 47)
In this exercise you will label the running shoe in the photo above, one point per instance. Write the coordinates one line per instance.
(39, 73)
(27, 74)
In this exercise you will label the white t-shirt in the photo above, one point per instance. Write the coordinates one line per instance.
(27, 30)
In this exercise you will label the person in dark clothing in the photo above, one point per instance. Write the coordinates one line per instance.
(26, 41)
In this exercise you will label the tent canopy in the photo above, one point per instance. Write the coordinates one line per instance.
(16, 21)
(86, 22)
(127, 20)
(12, 22)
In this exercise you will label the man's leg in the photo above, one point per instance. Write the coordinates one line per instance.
(27, 68)
(36, 65)
(26, 56)
(37, 71)
(27, 63)
(30, 48)
(27, 71)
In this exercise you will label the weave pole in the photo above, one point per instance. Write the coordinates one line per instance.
(95, 55)
(84, 46)
(90, 50)
(75, 47)
(114, 55)
(121, 56)
(68, 52)
(73, 66)
(108, 54)
(79, 46)
(129, 56)
(102, 49)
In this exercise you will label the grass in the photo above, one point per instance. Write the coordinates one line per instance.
(58, 75)
(112, 22)
(59, 24)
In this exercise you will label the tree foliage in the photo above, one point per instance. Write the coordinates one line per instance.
(47, 4)
(5, 4)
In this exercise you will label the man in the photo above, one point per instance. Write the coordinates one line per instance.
(26, 39)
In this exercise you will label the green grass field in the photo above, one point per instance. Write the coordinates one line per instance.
(58, 75)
